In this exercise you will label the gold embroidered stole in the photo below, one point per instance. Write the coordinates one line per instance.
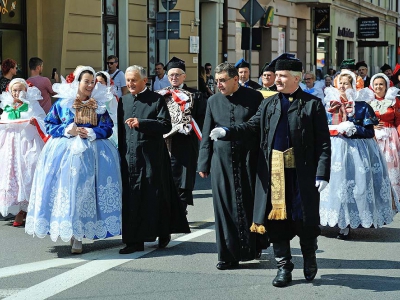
(279, 161)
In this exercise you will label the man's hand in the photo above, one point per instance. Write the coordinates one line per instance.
(321, 185)
(217, 133)
(203, 174)
(132, 122)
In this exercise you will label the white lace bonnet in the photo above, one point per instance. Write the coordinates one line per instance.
(68, 91)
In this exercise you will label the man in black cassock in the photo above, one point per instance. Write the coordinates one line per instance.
(150, 202)
(233, 166)
(184, 148)
(243, 68)
(293, 167)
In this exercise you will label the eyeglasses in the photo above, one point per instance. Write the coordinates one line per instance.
(222, 81)
(175, 75)
(308, 78)
(111, 62)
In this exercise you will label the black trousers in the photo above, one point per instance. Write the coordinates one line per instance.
(281, 243)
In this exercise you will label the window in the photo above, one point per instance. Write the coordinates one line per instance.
(13, 43)
(110, 28)
(152, 50)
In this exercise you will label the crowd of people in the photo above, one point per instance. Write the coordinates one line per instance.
(114, 155)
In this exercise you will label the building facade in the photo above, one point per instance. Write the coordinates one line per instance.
(67, 33)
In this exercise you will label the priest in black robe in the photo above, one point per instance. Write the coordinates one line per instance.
(293, 167)
(183, 147)
(232, 166)
(150, 202)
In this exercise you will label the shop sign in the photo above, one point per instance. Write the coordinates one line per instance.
(368, 28)
(345, 32)
(322, 22)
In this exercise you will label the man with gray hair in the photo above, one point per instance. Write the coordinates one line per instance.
(293, 167)
(150, 202)
(233, 166)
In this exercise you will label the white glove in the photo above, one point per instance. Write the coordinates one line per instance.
(321, 184)
(184, 128)
(347, 127)
(217, 133)
(381, 134)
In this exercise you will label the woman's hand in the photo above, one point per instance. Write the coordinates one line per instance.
(380, 125)
(74, 130)
(132, 122)
(83, 133)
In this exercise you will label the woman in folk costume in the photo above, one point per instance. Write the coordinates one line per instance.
(387, 110)
(112, 105)
(21, 127)
(359, 190)
(76, 190)
(349, 65)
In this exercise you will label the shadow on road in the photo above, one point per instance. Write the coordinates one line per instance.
(361, 282)
(372, 235)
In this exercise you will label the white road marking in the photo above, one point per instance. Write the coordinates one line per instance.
(103, 261)
(202, 192)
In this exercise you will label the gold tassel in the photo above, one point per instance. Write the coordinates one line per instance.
(257, 228)
(277, 214)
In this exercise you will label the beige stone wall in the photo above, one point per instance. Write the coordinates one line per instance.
(137, 14)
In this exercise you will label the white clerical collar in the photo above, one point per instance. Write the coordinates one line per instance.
(145, 88)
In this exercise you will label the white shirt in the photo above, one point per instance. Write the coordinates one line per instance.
(119, 82)
(161, 83)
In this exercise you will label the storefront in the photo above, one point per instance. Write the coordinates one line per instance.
(13, 33)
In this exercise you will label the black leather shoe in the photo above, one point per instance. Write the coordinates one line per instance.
(164, 241)
(132, 248)
(283, 278)
(310, 267)
(225, 265)
(342, 236)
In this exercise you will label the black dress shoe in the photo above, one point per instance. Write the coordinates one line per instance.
(342, 236)
(283, 278)
(225, 265)
(310, 267)
(164, 241)
(132, 248)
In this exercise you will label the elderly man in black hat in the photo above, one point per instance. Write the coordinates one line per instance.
(243, 68)
(362, 68)
(387, 70)
(268, 78)
(184, 145)
(293, 167)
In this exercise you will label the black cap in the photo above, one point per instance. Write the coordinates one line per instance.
(268, 68)
(175, 63)
(361, 64)
(287, 62)
(241, 63)
(348, 64)
(385, 67)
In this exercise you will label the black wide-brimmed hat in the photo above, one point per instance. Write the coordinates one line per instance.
(175, 63)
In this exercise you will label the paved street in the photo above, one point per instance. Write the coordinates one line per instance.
(365, 267)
